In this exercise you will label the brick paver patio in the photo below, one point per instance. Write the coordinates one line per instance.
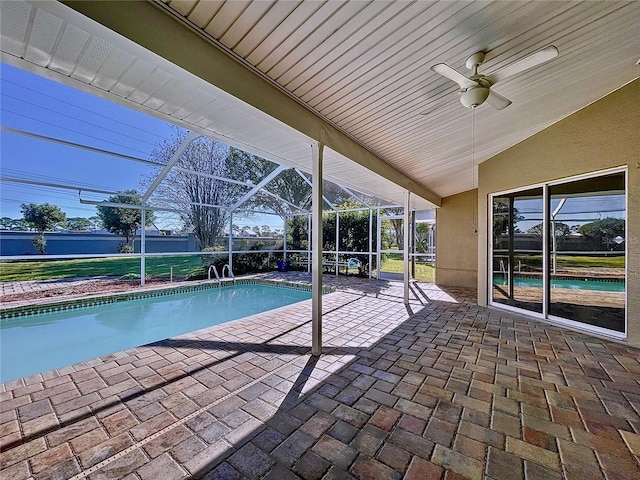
(440, 388)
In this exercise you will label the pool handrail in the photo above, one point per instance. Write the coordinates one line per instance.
(229, 272)
(214, 271)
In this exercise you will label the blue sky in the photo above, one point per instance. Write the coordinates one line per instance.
(36, 104)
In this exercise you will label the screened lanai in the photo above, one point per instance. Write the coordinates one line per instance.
(106, 158)
(234, 186)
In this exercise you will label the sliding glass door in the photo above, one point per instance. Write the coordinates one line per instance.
(559, 250)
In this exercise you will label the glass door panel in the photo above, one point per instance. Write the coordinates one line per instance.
(501, 284)
(587, 251)
(517, 250)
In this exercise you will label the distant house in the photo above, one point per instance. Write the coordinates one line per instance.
(247, 233)
(152, 231)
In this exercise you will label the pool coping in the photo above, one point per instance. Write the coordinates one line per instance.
(558, 276)
(19, 311)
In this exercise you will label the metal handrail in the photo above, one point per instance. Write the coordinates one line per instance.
(229, 272)
(214, 271)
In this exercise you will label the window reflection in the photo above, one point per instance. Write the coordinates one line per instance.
(587, 251)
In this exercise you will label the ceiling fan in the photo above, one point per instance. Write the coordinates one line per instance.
(476, 88)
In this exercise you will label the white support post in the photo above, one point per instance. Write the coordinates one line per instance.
(407, 226)
(370, 241)
(309, 235)
(378, 243)
(143, 248)
(337, 240)
(316, 255)
(230, 242)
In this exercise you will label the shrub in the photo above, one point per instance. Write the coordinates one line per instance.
(40, 243)
(125, 248)
(209, 259)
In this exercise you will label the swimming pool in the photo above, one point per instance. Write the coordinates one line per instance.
(569, 283)
(40, 342)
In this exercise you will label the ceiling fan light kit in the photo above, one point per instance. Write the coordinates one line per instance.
(474, 96)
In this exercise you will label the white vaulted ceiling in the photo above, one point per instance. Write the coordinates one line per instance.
(361, 67)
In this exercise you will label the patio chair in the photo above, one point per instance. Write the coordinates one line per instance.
(353, 263)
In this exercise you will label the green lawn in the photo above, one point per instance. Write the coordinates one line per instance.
(424, 272)
(575, 261)
(51, 269)
(184, 265)
(586, 262)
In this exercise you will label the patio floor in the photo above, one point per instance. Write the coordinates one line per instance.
(440, 388)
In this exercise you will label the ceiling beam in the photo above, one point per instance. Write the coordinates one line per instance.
(152, 28)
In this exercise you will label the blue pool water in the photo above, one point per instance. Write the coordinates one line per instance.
(38, 343)
(570, 283)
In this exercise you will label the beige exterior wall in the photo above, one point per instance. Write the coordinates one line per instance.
(603, 135)
(456, 242)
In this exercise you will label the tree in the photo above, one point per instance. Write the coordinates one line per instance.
(124, 220)
(78, 223)
(562, 230)
(96, 223)
(20, 225)
(289, 186)
(202, 199)
(354, 229)
(602, 232)
(298, 232)
(422, 237)
(501, 221)
(42, 217)
(6, 223)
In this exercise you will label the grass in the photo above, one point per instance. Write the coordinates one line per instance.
(53, 269)
(591, 262)
(424, 272)
(576, 261)
(184, 265)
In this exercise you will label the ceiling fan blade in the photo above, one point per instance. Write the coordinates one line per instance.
(452, 74)
(530, 61)
(497, 101)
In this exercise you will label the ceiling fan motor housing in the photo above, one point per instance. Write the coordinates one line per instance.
(474, 96)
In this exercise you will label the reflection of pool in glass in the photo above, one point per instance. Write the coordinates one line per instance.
(568, 283)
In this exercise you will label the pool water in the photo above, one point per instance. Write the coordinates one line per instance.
(569, 283)
(37, 343)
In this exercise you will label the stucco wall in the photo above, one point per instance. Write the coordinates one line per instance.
(456, 242)
(603, 135)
